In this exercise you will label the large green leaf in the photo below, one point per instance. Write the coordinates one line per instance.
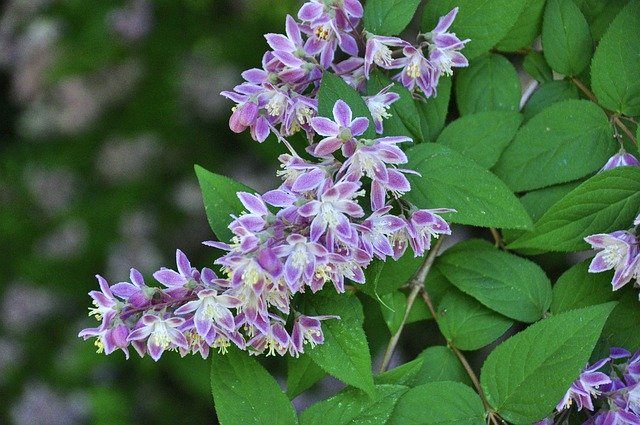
(220, 200)
(621, 330)
(334, 88)
(450, 180)
(606, 202)
(577, 288)
(566, 38)
(405, 118)
(485, 22)
(393, 308)
(481, 136)
(433, 111)
(506, 283)
(345, 352)
(565, 142)
(245, 393)
(439, 403)
(490, 83)
(616, 64)
(352, 406)
(388, 17)
(525, 376)
(526, 28)
(467, 324)
(384, 277)
(547, 94)
(302, 373)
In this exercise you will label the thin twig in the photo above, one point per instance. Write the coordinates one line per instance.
(499, 242)
(416, 283)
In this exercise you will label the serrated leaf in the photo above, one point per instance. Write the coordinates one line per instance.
(526, 28)
(467, 324)
(433, 111)
(353, 406)
(439, 403)
(302, 374)
(604, 203)
(506, 283)
(565, 142)
(220, 200)
(524, 377)
(485, 22)
(405, 118)
(388, 17)
(334, 88)
(437, 285)
(402, 375)
(548, 94)
(482, 136)
(490, 83)
(566, 38)
(345, 352)
(616, 64)
(245, 393)
(393, 308)
(621, 329)
(577, 288)
(384, 277)
(537, 67)
(451, 181)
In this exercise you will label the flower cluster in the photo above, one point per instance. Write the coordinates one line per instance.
(281, 97)
(614, 395)
(620, 253)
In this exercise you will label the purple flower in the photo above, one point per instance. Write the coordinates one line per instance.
(339, 131)
(443, 53)
(352, 72)
(136, 293)
(619, 250)
(423, 225)
(161, 333)
(301, 258)
(275, 340)
(307, 329)
(375, 232)
(185, 274)
(211, 308)
(377, 51)
(416, 71)
(289, 50)
(346, 12)
(298, 115)
(584, 387)
(621, 159)
(106, 305)
(379, 104)
(108, 339)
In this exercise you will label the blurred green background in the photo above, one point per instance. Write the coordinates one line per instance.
(105, 107)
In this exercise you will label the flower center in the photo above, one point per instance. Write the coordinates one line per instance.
(413, 70)
(382, 56)
(322, 32)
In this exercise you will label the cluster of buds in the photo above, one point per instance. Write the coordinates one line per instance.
(330, 217)
(614, 395)
(281, 97)
(620, 252)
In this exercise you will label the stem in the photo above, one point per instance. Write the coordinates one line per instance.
(498, 239)
(416, 283)
(615, 117)
(283, 140)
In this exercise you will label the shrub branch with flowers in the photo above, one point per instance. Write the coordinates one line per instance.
(371, 168)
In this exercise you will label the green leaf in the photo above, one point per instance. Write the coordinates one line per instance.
(536, 66)
(548, 94)
(388, 17)
(482, 136)
(577, 288)
(467, 324)
(506, 283)
(566, 38)
(433, 111)
(353, 406)
(600, 14)
(616, 64)
(524, 377)
(393, 307)
(485, 22)
(384, 277)
(334, 88)
(345, 352)
(405, 118)
(526, 28)
(490, 83)
(245, 393)
(402, 375)
(220, 200)
(439, 403)
(604, 203)
(451, 181)
(302, 374)
(621, 330)
(565, 142)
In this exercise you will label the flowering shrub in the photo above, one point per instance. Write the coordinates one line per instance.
(369, 176)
